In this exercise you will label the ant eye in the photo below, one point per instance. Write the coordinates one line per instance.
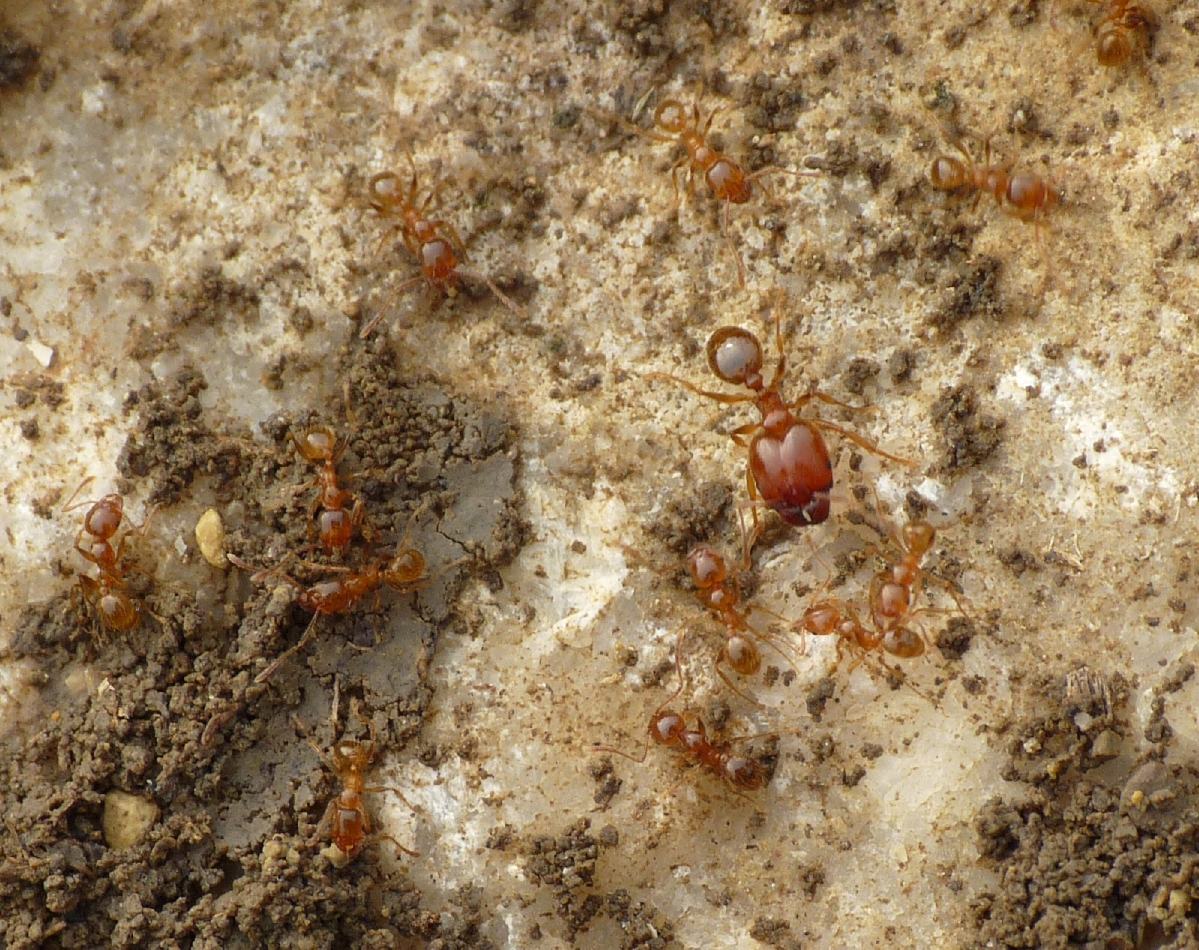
(734, 354)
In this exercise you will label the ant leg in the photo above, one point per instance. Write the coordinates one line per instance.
(727, 398)
(407, 851)
(779, 297)
(858, 440)
(503, 297)
(729, 683)
(267, 673)
(322, 826)
(828, 400)
(374, 321)
(728, 238)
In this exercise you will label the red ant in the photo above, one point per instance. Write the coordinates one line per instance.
(789, 466)
(1126, 26)
(716, 591)
(728, 182)
(896, 588)
(107, 593)
(433, 242)
(403, 571)
(666, 728)
(828, 617)
(1023, 195)
(346, 818)
(342, 509)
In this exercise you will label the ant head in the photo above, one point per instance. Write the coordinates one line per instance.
(821, 618)
(707, 567)
(384, 192)
(352, 755)
(918, 536)
(948, 173)
(1114, 47)
(117, 611)
(666, 727)
(407, 567)
(104, 517)
(743, 773)
(319, 444)
(735, 356)
(671, 116)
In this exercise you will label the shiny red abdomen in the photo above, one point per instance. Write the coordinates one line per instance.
(793, 474)
(349, 828)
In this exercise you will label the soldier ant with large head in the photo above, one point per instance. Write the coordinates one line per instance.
(789, 467)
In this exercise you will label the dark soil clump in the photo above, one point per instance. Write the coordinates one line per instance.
(232, 857)
(1088, 858)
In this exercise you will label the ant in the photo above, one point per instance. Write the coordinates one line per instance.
(403, 571)
(726, 179)
(741, 773)
(789, 467)
(346, 818)
(720, 594)
(106, 593)
(1126, 26)
(1023, 195)
(433, 242)
(342, 510)
(829, 617)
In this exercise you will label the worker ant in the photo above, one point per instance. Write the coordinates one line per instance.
(403, 571)
(346, 819)
(107, 593)
(677, 125)
(789, 467)
(341, 510)
(741, 773)
(1126, 27)
(1024, 195)
(717, 591)
(895, 589)
(434, 243)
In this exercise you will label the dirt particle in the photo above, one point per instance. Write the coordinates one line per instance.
(818, 697)
(955, 639)
(971, 436)
(18, 61)
(774, 933)
(974, 293)
(30, 429)
(858, 374)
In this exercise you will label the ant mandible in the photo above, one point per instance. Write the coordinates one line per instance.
(741, 773)
(434, 243)
(1126, 26)
(725, 178)
(1022, 195)
(106, 593)
(789, 467)
(717, 591)
(342, 510)
(346, 818)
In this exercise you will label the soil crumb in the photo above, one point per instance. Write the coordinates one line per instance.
(1088, 857)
